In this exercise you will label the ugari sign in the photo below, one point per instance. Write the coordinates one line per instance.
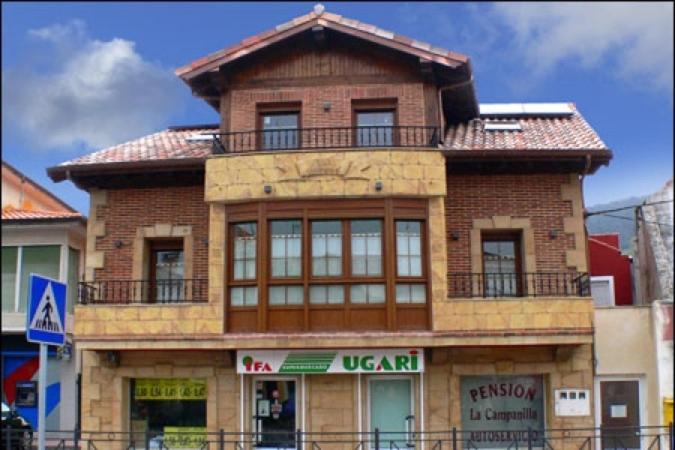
(408, 360)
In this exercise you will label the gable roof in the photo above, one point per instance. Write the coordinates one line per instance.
(322, 19)
(37, 187)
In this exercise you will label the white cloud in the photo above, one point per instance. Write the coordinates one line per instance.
(632, 40)
(96, 93)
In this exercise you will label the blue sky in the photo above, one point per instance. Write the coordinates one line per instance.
(77, 77)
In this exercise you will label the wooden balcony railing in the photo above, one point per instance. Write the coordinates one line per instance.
(142, 291)
(320, 138)
(536, 284)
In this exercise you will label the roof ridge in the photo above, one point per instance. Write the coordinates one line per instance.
(322, 18)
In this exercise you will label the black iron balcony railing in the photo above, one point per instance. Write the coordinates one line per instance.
(142, 291)
(535, 284)
(321, 138)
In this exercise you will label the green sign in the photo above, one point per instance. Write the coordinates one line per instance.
(404, 360)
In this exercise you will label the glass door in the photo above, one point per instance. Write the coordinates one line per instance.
(391, 410)
(274, 413)
(166, 272)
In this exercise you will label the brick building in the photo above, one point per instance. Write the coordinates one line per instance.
(356, 245)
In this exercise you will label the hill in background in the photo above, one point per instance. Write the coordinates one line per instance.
(625, 226)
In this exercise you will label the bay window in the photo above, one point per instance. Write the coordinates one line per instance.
(327, 265)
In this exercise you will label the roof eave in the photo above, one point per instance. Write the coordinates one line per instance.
(63, 172)
(590, 159)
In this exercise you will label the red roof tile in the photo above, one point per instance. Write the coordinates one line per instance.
(164, 145)
(9, 213)
(538, 133)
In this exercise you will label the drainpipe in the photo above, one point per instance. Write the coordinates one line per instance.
(441, 121)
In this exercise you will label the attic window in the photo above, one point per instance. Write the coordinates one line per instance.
(502, 125)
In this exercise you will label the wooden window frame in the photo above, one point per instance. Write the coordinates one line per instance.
(418, 279)
(277, 108)
(343, 210)
(375, 105)
(515, 236)
(158, 245)
(249, 282)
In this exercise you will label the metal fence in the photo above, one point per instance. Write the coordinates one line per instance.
(529, 284)
(143, 291)
(329, 137)
(629, 438)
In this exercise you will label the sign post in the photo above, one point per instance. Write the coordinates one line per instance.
(46, 324)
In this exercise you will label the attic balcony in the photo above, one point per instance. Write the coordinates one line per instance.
(325, 138)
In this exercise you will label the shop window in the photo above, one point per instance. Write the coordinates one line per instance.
(326, 248)
(166, 271)
(275, 413)
(488, 403)
(173, 410)
(9, 277)
(286, 239)
(502, 273)
(391, 409)
(366, 239)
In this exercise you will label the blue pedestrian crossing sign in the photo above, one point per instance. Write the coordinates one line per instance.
(46, 318)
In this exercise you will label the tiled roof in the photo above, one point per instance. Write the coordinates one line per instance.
(169, 144)
(329, 20)
(565, 132)
(9, 213)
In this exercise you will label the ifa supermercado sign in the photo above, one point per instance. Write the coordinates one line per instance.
(396, 360)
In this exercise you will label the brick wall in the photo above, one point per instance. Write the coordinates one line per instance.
(127, 210)
(534, 196)
(410, 105)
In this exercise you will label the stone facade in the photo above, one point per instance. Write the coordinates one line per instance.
(325, 174)
(331, 404)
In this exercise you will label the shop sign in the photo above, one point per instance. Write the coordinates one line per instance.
(498, 410)
(170, 389)
(407, 360)
(184, 437)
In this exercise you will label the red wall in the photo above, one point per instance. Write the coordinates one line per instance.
(607, 259)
